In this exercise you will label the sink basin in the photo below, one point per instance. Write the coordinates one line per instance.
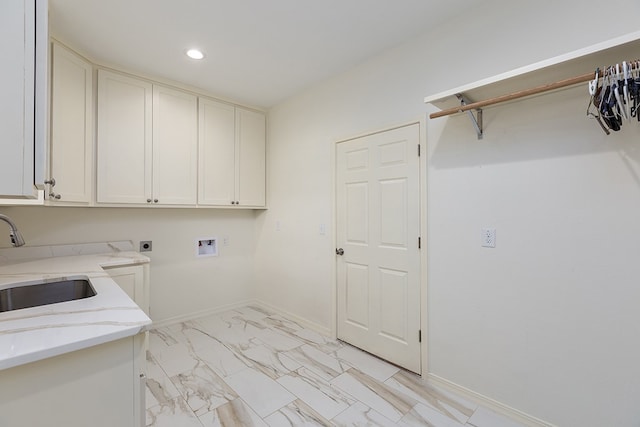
(44, 293)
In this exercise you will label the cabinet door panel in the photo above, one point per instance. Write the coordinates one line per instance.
(124, 139)
(17, 45)
(71, 126)
(133, 281)
(216, 153)
(250, 158)
(175, 146)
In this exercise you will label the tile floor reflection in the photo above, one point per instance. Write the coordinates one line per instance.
(249, 367)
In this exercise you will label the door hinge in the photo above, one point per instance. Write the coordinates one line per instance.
(419, 335)
(419, 242)
(418, 150)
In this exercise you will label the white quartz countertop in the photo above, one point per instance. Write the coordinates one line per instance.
(37, 333)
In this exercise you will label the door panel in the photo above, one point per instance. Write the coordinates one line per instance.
(394, 293)
(393, 214)
(378, 225)
(357, 303)
(357, 213)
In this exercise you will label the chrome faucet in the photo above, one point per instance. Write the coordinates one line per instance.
(16, 237)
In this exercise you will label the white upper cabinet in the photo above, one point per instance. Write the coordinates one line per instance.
(147, 142)
(217, 153)
(23, 47)
(157, 145)
(71, 146)
(124, 139)
(175, 146)
(232, 156)
(250, 158)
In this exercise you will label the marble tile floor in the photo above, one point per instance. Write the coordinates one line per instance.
(249, 367)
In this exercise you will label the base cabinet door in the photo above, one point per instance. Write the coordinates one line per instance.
(100, 386)
(134, 280)
(71, 145)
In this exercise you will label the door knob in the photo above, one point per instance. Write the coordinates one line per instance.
(339, 251)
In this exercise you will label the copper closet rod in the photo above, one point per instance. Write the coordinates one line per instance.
(515, 95)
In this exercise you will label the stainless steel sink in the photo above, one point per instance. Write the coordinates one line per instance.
(44, 293)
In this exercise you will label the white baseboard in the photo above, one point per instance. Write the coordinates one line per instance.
(487, 402)
(322, 330)
(190, 316)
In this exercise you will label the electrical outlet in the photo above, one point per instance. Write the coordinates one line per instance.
(146, 245)
(488, 238)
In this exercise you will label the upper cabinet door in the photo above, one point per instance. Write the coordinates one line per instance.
(22, 82)
(250, 158)
(175, 147)
(124, 139)
(216, 180)
(70, 153)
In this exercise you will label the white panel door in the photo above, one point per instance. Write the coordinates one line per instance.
(175, 147)
(216, 141)
(71, 154)
(378, 226)
(124, 139)
(250, 158)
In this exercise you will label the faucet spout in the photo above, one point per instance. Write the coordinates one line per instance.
(16, 237)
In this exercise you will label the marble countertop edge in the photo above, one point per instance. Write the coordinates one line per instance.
(23, 359)
(38, 333)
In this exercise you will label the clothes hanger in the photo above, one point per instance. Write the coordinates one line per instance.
(608, 105)
(625, 91)
(595, 91)
(617, 90)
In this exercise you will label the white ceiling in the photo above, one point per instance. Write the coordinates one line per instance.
(258, 52)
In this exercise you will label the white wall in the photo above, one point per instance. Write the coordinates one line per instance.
(181, 284)
(547, 322)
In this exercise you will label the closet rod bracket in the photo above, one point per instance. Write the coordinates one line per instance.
(476, 120)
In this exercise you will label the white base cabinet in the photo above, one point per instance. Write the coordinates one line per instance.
(100, 386)
(134, 280)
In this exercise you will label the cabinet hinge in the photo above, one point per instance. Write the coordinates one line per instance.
(418, 150)
(419, 242)
(419, 335)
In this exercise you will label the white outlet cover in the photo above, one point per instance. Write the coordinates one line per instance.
(488, 238)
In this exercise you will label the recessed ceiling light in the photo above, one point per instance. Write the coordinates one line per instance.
(195, 54)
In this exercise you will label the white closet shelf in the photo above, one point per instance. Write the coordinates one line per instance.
(542, 73)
